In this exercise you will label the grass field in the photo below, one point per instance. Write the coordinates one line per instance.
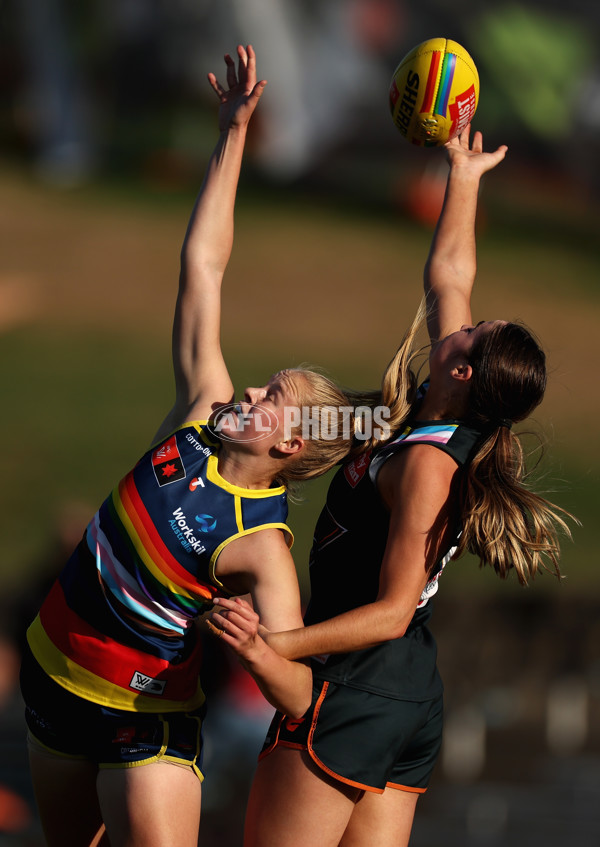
(87, 288)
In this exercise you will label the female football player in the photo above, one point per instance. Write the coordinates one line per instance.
(110, 676)
(449, 479)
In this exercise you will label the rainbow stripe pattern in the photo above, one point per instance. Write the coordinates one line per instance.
(432, 433)
(452, 437)
(437, 94)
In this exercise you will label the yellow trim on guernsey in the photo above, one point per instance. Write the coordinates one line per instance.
(213, 475)
(289, 540)
(239, 520)
(85, 684)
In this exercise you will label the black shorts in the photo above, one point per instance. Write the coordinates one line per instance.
(363, 739)
(62, 724)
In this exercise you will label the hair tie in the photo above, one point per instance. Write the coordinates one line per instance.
(505, 422)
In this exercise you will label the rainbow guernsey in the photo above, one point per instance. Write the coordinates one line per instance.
(117, 626)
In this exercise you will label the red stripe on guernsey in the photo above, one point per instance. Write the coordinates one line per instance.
(431, 82)
(108, 659)
(153, 543)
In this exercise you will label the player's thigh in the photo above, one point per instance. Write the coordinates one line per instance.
(293, 803)
(65, 792)
(382, 819)
(151, 805)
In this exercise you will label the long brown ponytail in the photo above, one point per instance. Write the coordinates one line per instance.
(505, 523)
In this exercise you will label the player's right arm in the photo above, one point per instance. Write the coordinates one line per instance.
(202, 381)
(451, 265)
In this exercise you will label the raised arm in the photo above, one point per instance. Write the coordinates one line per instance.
(451, 265)
(201, 377)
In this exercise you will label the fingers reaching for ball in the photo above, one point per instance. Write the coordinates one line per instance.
(467, 152)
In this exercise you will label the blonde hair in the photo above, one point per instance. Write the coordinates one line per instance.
(398, 385)
(315, 391)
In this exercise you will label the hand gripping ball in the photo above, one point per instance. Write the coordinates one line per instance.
(434, 92)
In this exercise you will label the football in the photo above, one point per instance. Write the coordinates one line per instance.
(434, 92)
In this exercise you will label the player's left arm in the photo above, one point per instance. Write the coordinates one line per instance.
(261, 564)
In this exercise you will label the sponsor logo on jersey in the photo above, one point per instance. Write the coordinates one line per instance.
(196, 482)
(142, 682)
(201, 448)
(185, 533)
(206, 523)
(167, 463)
(355, 471)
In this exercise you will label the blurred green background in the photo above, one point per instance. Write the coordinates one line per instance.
(91, 278)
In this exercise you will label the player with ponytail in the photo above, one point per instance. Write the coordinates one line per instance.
(450, 478)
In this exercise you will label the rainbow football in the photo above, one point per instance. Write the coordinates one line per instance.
(434, 92)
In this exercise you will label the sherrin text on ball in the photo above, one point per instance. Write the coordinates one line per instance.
(434, 92)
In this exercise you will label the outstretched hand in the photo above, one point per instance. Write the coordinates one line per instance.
(239, 99)
(464, 154)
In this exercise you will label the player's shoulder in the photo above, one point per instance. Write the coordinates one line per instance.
(419, 468)
(254, 547)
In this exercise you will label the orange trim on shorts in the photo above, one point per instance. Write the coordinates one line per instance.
(408, 788)
(316, 759)
(321, 765)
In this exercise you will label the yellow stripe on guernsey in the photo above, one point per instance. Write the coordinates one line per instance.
(86, 684)
(238, 514)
